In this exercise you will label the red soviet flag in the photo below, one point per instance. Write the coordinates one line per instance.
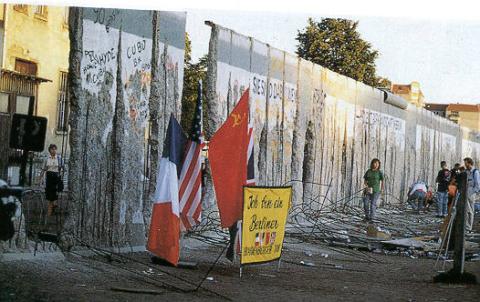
(228, 156)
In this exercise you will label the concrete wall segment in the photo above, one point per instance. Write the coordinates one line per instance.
(339, 126)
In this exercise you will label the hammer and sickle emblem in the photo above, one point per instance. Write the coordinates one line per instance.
(237, 119)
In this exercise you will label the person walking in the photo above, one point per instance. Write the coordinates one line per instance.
(443, 180)
(373, 182)
(473, 187)
(52, 167)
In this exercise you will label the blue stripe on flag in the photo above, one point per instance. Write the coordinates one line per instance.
(175, 142)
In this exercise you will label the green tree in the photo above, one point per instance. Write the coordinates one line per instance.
(336, 44)
(193, 72)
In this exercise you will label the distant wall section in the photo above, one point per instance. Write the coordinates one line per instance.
(319, 130)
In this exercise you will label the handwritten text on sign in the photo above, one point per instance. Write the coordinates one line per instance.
(265, 213)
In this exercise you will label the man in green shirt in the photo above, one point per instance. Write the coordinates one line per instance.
(373, 181)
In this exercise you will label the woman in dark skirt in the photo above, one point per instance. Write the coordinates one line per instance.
(52, 168)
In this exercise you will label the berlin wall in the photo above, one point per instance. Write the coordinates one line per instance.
(126, 78)
(319, 130)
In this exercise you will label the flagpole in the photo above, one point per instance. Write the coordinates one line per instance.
(200, 89)
(211, 267)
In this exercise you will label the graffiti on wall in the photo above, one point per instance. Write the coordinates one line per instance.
(136, 76)
(114, 141)
(347, 125)
(99, 62)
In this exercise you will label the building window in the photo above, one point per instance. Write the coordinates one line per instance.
(62, 107)
(41, 12)
(22, 104)
(3, 102)
(21, 8)
(25, 67)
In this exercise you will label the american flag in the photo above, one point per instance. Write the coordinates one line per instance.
(190, 191)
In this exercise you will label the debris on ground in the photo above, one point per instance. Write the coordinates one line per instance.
(137, 290)
(307, 263)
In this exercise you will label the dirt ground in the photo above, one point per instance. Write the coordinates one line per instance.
(327, 274)
(340, 276)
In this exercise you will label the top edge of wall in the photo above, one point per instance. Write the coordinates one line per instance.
(375, 90)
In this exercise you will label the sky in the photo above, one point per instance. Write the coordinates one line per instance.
(442, 55)
(436, 43)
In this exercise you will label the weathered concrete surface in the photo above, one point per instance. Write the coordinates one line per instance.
(322, 128)
(126, 75)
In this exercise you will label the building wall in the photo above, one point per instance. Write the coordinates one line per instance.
(45, 42)
(339, 125)
(411, 92)
(2, 21)
(469, 119)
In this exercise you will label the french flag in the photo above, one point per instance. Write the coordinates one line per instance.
(164, 235)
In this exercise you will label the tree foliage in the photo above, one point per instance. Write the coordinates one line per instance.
(193, 72)
(336, 44)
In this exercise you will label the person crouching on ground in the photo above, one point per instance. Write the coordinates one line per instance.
(473, 187)
(443, 179)
(52, 168)
(373, 187)
(417, 193)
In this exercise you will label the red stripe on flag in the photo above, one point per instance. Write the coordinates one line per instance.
(187, 167)
(191, 180)
(192, 217)
(194, 169)
(164, 235)
(185, 212)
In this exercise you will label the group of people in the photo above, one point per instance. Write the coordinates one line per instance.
(420, 196)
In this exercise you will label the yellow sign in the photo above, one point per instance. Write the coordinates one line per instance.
(265, 211)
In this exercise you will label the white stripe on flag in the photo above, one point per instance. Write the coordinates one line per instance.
(191, 183)
(167, 185)
(191, 222)
(187, 161)
(195, 203)
(188, 218)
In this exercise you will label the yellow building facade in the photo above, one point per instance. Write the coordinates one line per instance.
(35, 45)
(465, 115)
(411, 92)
